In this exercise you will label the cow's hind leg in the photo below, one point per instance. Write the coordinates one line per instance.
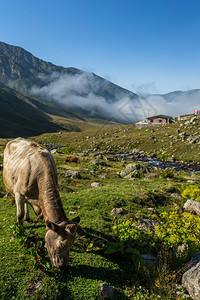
(20, 202)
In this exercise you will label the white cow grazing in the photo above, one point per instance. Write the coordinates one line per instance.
(29, 173)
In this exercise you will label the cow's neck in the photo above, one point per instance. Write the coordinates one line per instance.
(50, 201)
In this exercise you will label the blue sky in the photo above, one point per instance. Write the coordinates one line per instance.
(143, 45)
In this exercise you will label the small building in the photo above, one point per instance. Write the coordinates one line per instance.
(154, 121)
(159, 120)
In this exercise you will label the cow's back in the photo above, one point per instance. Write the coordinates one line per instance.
(24, 163)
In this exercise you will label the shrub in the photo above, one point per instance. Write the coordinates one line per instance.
(173, 229)
(191, 192)
(67, 149)
(168, 173)
(130, 235)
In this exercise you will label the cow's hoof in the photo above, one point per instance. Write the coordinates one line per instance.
(28, 221)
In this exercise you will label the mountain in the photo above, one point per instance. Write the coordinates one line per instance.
(176, 95)
(83, 93)
(175, 103)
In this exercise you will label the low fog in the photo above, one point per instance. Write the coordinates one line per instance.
(86, 91)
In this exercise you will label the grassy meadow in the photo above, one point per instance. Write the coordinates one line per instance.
(107, 249)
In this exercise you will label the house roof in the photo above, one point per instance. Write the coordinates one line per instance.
(160, 116)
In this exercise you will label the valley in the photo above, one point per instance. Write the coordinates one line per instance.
(111, 172)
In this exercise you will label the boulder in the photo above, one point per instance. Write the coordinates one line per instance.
(108, 158)
(133, 175)
(106, 290)
(146, 224)
(176, 196)
(182, 251)
(193, 119)
(97, 162)
(149, 259)
(135, 150)
(171, 160)
(96, 184)
(8, 195)
(134, 167)
(72, 174)
(192, 207)
(191, 275)
(118, 212)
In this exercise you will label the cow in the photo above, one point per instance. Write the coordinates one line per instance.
(71, 159)
(29, 173)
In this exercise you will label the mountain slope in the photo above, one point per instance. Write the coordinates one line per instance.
(21, 70)
(20, 117)
(83, 93)
(173, 96)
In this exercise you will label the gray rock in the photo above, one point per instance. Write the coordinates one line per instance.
(187, 123)
(108, 158)
(182, 251)
(192, 207)
(98, 162)
(134, 167)
(171, 160)
(193, 119)
(104, 176)
(151, 209)
(146, 224)
(176, 196)
(38, 285)
(191, 275)
(135, 150)
(191, 181)
(72, 174)
(149, 259)
(118, 212)
(96, 184)
(182, 134)
(8, 195)
(133, 175)
(106, 290)
(54, 151)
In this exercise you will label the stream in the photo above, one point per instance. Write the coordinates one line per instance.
(155, 162)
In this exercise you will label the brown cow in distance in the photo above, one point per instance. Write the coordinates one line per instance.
(71, 159)
(30, 174)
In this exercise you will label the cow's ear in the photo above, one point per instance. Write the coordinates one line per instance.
(76, 220)
(53, 226)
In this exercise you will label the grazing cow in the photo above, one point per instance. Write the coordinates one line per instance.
(30, 174)
(72, 158)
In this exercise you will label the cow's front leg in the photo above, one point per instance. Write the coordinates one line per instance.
(26, 213)
(20, 201)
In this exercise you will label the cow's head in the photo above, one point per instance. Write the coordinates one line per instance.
(59, 239)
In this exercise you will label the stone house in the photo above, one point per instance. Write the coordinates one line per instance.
(159, 120)
(154, 121)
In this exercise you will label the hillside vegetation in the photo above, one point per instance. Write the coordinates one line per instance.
(180, 139)
(108, 249)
